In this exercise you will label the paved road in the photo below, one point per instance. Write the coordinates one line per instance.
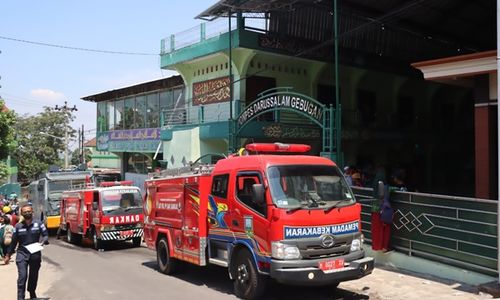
(123, 272)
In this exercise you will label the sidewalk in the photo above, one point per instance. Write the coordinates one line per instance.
(8, 280)
(391, 283)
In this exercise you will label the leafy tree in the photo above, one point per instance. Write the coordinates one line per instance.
(75, 156)
(7, 137)
(41, 139)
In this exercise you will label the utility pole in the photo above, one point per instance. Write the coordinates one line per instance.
(67, 110)
(83, 145)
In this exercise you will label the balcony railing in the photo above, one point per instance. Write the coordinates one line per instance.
(195, 115)
(207, 30)
(195, 35)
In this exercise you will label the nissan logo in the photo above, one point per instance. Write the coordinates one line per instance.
(327, 240)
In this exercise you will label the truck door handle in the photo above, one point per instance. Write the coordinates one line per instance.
(236, 223)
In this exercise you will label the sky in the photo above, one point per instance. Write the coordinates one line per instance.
(34, 76)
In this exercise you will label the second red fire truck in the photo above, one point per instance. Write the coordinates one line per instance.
(292, 218)
(110, 212)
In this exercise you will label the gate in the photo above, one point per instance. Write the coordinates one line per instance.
(285, 99)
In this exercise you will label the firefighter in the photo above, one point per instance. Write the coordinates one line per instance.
(25, 233)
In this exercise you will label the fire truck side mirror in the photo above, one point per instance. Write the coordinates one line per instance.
(94, 206)
(258, 194)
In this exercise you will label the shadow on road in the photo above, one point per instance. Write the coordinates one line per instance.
(86, 245)
(216, 278)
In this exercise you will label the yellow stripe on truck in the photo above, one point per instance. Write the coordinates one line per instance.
(53, 222)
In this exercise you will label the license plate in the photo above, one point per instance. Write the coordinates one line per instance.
(126, 232)
(329, 265)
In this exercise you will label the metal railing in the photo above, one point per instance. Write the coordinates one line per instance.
(456, 231)
(196, 35)
(195, 115)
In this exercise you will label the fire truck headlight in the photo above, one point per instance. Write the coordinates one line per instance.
(284, 251)
(356, 245)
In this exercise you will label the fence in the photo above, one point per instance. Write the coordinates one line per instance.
(456, 231)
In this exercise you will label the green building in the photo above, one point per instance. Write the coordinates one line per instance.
(338, 78)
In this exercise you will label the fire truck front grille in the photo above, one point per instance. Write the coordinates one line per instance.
(125, 226)
(313, 249)
(317, 251)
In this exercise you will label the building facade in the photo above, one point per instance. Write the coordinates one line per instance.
(389, 114)
(128, 124)
(341, 79)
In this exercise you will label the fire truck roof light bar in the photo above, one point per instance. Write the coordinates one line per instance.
(278, 147)
(116, 183)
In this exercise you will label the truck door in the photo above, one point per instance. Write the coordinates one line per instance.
(247, 216)
(190, 228)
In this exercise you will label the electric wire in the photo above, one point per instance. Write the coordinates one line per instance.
(76, 48)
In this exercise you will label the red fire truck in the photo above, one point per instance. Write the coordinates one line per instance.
(289, 217)
(110, 212)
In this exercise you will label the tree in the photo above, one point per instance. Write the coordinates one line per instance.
(7, 137)
(38, 148)
(75, 156)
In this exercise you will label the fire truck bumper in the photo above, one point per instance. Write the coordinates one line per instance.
(309, 273)
(121, 235)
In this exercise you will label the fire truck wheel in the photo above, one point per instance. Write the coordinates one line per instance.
(136, 242)
(72, 238)
(248, 283)
(96, 241)
(166, 264)
(69, 235)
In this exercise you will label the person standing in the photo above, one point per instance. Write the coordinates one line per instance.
(28, 264)
(379, 230)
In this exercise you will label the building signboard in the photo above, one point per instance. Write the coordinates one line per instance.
(284, 101)
(211, 91)
(133, 140)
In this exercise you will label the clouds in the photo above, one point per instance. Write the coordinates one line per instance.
(46, 95)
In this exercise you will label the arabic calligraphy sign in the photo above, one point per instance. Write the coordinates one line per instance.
(211, 91)
(145, 140)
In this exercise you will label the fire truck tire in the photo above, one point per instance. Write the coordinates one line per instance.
(248, 283)
(96, 241)
(72, 238)
(136, 242)
(166, 264)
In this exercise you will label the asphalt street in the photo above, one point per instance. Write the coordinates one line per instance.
(123, 272)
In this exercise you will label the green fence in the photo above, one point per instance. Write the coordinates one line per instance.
(456, 231)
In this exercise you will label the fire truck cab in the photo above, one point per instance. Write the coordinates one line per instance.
(110, 212)
(292, 218)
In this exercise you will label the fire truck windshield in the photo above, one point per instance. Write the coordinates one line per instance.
(295, 187)
(121, 202)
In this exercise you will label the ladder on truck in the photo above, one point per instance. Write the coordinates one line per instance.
(193, 168)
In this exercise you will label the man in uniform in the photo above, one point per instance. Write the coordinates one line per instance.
(25, 233)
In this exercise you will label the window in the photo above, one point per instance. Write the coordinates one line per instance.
(111, 115)
(244, 184)
(166, 103)
(219, 185)
(153, 111)
(178, 97)
(128, 118)
(140, 112)
(119, 110)
(102, 124)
